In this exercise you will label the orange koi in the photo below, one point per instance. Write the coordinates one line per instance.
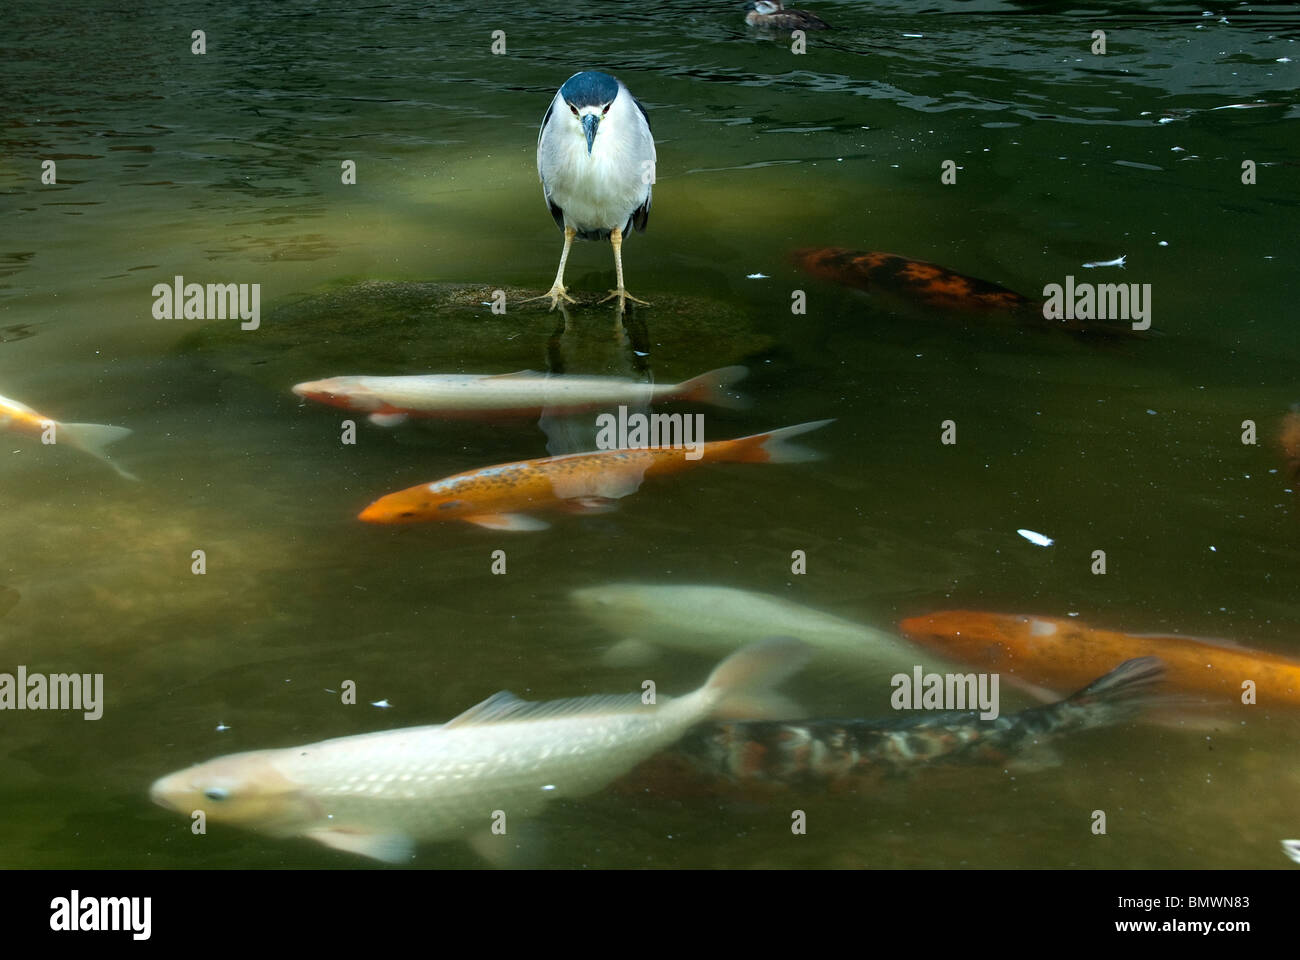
(1060, 654)
(495, 497)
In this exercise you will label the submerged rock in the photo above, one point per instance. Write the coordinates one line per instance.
(388, 328)
(9, 598)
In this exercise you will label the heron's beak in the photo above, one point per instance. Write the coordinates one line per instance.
(589, 124)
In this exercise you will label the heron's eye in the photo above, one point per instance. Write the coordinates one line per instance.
(216, 793)
(573, 110)
(605, 111)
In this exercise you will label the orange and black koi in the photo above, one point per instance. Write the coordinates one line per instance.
(935, 287)
(1290, 440)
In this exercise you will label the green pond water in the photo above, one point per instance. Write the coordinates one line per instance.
(225, 168)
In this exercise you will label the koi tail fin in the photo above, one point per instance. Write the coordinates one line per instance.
(1118, 696)
(1126, 691)
(711, 388)
(1131, 680)
(94, 438)
(739, 685)
(771, 447)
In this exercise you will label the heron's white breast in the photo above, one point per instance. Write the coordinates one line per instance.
(600, 190)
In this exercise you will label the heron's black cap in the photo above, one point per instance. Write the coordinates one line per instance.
(589, 89)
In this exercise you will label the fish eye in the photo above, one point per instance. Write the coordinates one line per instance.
(216, 793)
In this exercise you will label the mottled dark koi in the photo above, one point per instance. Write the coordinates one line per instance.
(936, 287)
(827, 751)
(927, 283)
(1290, 440)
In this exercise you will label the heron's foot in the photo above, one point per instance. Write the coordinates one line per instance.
(556, 294)
(623, 297)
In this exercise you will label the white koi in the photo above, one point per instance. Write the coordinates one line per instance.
(91, 438)
(715, 620)
(390, 400)
(378, 793)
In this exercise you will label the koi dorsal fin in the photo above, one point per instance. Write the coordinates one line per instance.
(506, 707)
(501, 704)
(1222, 642)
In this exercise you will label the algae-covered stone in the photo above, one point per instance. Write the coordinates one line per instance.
(384, 328)
(8, 599)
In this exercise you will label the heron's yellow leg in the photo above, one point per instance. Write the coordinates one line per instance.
(616, 241)
(557, 291)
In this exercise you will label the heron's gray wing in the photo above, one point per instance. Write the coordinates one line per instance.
(641, 215)
(556, 213)
(547, 119)
(638, 106)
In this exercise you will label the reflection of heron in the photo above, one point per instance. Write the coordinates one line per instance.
(596, 159)
(771, 13)
(627, 355)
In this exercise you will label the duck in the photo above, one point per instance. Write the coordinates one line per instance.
(773, 15)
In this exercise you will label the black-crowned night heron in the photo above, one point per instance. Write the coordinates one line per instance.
(596, 159)
(772, 13)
